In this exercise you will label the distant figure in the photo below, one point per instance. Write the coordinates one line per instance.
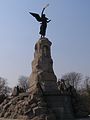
(62, 86)
(43, 19)
(15, 91)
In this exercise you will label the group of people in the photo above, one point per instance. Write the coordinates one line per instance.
(17, 90)
(64, 89)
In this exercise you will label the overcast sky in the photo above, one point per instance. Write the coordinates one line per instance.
(69, 32)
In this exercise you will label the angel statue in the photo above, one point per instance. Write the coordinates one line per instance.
(43, 19)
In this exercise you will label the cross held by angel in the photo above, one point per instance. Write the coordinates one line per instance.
(43, 21)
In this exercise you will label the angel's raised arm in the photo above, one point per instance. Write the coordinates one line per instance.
(42, 11)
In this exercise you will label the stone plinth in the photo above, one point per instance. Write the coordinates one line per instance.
(43, 80)
(42, 68)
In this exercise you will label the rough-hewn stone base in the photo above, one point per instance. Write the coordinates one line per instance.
(44, 102)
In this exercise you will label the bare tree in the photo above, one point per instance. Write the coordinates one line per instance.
(4, 89)
(72, 78)
(23, 82)
(87, 82)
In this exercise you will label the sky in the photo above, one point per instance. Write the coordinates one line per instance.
(69, 32)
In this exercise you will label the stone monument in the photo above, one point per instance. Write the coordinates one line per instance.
(43, 81)
(44, 100)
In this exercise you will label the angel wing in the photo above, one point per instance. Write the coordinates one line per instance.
(38, 18)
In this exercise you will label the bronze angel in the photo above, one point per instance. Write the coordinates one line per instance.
(43, 19)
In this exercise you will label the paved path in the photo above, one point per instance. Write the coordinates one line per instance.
(21, 119)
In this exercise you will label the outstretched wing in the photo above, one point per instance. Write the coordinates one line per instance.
(38, 18)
